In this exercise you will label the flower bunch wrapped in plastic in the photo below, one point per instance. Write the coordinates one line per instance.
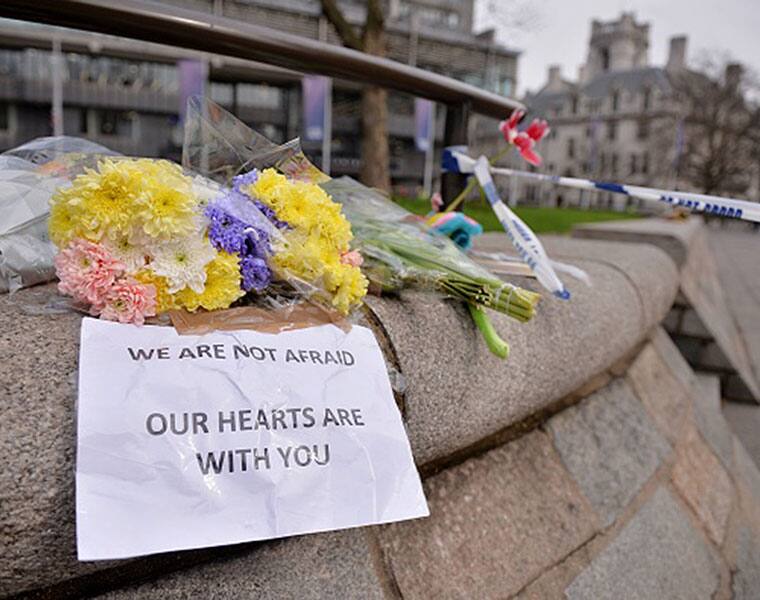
(313, 237)
(137, 238)
(132, 243)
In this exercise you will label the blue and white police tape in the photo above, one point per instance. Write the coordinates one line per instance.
(455, 159)
(528, 246)
(714, 205)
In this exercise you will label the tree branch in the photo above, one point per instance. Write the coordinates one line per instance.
(343, 28)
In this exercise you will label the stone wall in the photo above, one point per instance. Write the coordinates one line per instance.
(592, 464)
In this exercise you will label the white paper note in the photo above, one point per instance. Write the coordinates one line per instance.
(193, 441)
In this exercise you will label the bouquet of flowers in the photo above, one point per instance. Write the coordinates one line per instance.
(139, 237)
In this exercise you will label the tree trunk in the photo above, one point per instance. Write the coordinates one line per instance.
(375, 171)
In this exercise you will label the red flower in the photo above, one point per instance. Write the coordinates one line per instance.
(524, 140)
(525, 145)
(537, 130)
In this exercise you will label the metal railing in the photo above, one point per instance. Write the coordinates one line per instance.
(204, 32)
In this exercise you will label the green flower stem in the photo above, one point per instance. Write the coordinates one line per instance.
(495, 344)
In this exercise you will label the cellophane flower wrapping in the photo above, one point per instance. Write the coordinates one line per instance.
(398, 248)
(308, 253)
(29, 176)
(133, 241)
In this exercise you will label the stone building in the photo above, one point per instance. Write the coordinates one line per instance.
(124, 94)
(617, 121)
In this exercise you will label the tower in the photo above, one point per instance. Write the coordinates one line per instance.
(617, 46)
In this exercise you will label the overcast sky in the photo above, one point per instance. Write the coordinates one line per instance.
(562, 28)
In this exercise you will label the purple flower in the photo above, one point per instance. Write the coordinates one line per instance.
(225, 231)
(270, 214)
(256, 243)
(245, 179)
(255, 272)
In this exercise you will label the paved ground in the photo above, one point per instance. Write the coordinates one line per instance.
(737, 253)
(738, 256)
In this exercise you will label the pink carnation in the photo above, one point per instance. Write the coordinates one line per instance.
(128, 301)
(352, 258)
(87, 271)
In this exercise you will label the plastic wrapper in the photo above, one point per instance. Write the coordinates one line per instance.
(399, 249)
(220, 147)
(29, 175)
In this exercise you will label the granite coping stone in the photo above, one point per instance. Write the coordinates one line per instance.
(672, 236)
(710, 420)
(746, 579)
(462, 393)
(496, 522)
(662, 393)
(610, 446)
(337, 564)
(657, 555)
(457, 392)
(701, 283)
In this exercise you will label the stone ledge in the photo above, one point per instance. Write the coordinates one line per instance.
(673, 237)
(457, 392)
(704, 313)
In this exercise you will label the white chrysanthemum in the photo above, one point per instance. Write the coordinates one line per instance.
(183, 263)
(205, 190)
(127, 251)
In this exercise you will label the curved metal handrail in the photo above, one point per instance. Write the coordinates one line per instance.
(193, 30)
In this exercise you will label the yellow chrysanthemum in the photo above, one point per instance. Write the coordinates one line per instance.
(222, 285)
(123, 197)
(164, 300)
(317, 237)
(64, 225)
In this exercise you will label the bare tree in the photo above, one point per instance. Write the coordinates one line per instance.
(720, 127)
(375, 170)
(509, 17)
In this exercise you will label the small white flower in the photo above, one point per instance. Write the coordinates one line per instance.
(205, 190)
(183, 263)
(123, 248)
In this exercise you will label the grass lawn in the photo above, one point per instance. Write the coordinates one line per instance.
(540, 220)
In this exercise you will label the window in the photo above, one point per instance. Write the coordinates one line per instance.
(647, 99)
(612, 130)
(643, 129)
(615, 101)
(605, 56)
(633, 164)
(645, 163)
(113, 122)
(614, 163)
(83, 121)
(571, 148)
(574, 105)
(259, 96)
(221, 93)
(505, 86)
(4, 116)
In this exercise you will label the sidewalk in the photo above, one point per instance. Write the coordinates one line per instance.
(736, 253)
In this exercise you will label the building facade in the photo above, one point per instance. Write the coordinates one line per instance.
(617, 121)
(124, 93)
